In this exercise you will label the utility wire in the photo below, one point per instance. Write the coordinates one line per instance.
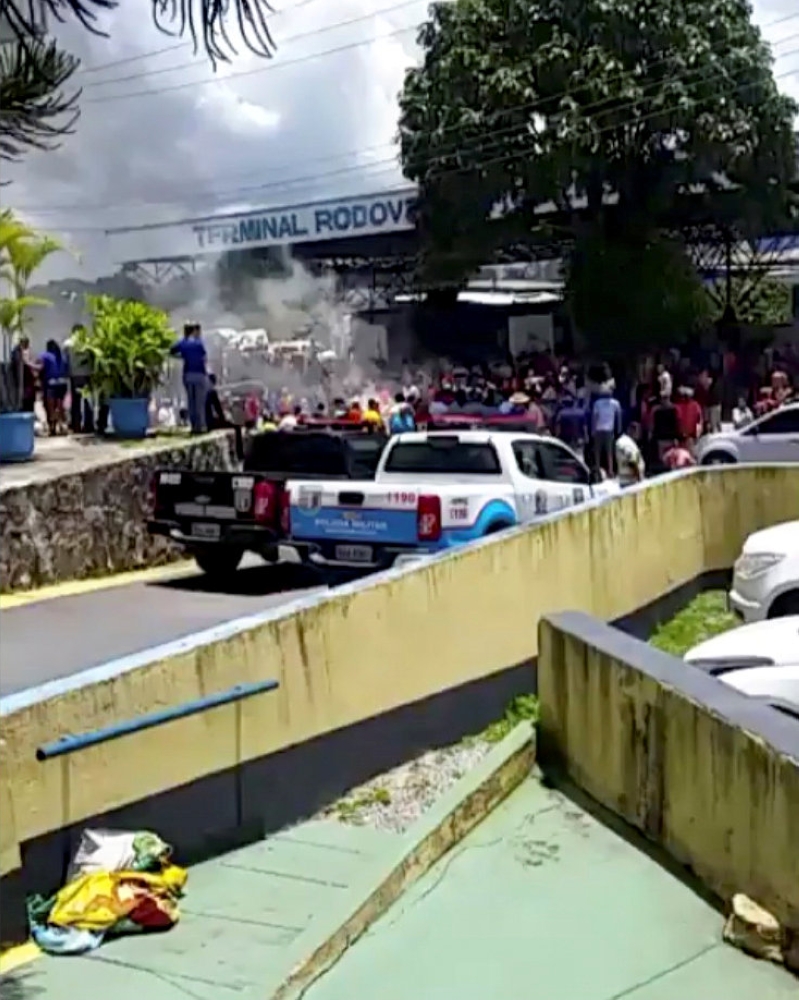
(443, 155)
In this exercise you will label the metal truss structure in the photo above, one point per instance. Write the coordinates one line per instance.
(161, 272)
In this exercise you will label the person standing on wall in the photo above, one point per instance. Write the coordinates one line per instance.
(191, 350)
(79, 370)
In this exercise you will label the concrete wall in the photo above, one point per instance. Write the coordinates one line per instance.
(708, 774)
(92, 521)
(377, 645)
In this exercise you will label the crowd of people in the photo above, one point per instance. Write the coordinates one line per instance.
(650, 421)
(624, 421)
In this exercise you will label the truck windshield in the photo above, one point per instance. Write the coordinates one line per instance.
(299, 454)
(447, 456)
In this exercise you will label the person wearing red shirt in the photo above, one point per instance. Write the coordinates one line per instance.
(689, 415)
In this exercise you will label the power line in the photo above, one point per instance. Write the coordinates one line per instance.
(260, 69)
(194, 64)
(131, 59)
(495, 161)
(296, 61)
(391, 163)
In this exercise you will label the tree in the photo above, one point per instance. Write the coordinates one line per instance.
(34, 111)
(627, 105)
(22, 253)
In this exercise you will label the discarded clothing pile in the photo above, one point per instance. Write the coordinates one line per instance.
(118, 883)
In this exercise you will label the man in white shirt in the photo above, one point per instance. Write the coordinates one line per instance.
(629, 460)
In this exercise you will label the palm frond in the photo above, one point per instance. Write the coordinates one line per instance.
(35, 112)
(207, 22)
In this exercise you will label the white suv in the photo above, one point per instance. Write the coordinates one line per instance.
(772, 438)
(765, 580)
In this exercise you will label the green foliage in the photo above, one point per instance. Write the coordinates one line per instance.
(706, 616)
(522, 708)
(35, 113)
(532, 103)
(757, 300)
(627, 294)
(128, 343)
(22, 253)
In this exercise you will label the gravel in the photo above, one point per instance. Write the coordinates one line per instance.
(395, 800)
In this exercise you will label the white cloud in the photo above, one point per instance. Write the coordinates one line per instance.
(308, 123)
(303, 125)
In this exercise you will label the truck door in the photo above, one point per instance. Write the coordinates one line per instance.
(552, 478)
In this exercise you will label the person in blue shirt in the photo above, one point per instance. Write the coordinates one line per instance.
(53, 375)
(606, 419)
(401, 419)
(191, 350)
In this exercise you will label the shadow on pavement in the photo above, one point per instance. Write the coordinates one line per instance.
(19, 985)
(254, 581)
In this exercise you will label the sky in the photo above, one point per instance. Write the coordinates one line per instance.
(162, 136)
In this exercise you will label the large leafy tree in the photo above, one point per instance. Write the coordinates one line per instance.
(625, 105)
(36, 111)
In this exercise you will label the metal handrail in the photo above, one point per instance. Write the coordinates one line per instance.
(70, 744)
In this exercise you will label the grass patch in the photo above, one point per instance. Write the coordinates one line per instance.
(522, 708)
(704, 617)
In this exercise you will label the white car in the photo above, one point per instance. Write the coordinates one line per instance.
(772, 438)
(761, 660)
(765, 581)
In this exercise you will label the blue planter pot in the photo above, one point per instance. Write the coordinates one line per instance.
(17, 437)
(130, 417)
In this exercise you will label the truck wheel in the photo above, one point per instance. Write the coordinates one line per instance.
(218, 562)
(718, 458)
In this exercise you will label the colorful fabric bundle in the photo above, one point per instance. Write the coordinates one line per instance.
(118, 883)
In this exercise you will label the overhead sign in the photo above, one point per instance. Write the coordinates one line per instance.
(392, 211)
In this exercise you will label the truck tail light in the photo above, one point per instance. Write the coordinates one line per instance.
(428, 518)
(264, 496)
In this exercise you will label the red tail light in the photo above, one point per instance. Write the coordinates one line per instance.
(264, 496)
(428, 518)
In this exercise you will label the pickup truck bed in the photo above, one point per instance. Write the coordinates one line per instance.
(218, 516)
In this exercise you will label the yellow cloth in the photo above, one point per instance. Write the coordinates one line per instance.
(98, 901)
(372, 417)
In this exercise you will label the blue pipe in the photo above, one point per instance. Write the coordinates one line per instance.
(69, 744)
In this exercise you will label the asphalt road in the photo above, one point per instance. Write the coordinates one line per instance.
(62, 636)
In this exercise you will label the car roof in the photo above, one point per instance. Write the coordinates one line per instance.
(776, 639)
(474, 436)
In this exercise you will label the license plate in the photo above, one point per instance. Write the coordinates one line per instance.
(209, 532)
(354, 553)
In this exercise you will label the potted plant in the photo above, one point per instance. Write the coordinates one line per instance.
(22, 252)
(128, 344)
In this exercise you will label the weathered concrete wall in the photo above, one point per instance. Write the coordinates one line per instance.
(379, 644)
(92, 522)
(710, 775)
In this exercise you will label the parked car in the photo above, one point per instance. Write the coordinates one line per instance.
(761, 660)
(765, 580)
(218, 516)
(771, 438)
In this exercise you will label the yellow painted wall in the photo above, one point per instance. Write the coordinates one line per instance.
(716, 797)
(397, 640)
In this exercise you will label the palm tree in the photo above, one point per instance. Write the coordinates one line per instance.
(34, 111)
(22, 253)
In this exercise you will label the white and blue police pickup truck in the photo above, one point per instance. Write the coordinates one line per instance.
(435, 491)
